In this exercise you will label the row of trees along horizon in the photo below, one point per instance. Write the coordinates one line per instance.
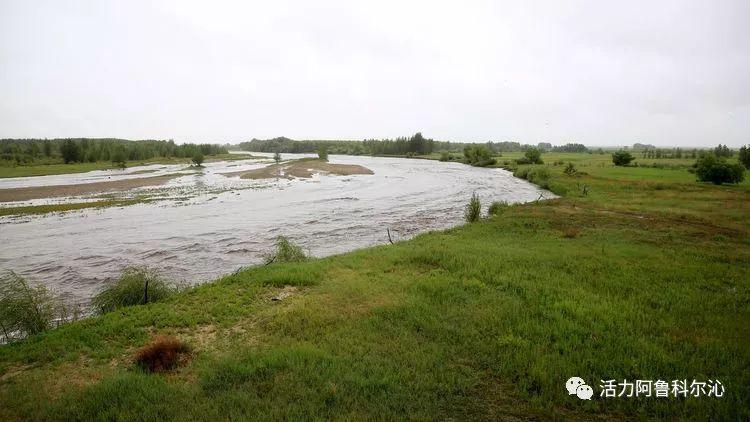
(407, 146)
(14, 152)
(18, 152)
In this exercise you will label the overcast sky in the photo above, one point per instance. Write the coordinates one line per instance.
(596, 72)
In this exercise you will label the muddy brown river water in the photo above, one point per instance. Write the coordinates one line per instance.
(205, 224)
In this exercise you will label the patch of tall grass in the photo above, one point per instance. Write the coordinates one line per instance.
(136, 286)
(28, 309)
(286, 251)
(473, 209)
(541, 177)
(497, 207)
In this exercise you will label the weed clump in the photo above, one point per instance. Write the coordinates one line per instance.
(163, 354)
(286, 251)
(27, 309)
(497, 207)
(473, 209)
(136, 286)
(570, 232)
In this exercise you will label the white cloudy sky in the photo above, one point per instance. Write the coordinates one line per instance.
(597, 72)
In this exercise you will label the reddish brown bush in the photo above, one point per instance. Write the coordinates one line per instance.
(570, 232)
(163, 354)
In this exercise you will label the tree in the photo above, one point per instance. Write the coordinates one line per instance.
(622, 158)
(277, 157)
(323, 153)
(534, 155)
(710, 168)
(70, 151)
(47, 148)
(531, 156)
(478, 155)
(722, 151)
(745, 156)
(118, 157)
(198, 159)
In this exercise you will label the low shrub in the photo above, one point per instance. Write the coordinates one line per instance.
(478, 156)
(539, 176)
(163, 354)
(570, 169)
(531, 156)
(286, 251)
(136, 286)
(556, 188)
(622, 158)
(522, 172)
(473, 209)
(710, 168)
(497, 208)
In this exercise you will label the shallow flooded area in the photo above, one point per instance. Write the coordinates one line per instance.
(208, 222)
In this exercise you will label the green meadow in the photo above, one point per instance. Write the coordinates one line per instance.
(633, 273)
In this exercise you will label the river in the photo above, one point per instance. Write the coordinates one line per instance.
(205, 224)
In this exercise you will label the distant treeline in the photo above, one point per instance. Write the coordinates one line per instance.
(417, 144)
(414, 145)
(653, 152)
(71, 150)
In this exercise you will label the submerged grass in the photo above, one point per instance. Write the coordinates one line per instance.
(45, 209)
(484, 321)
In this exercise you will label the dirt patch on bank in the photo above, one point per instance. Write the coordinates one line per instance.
(37, 192)
(300, 168)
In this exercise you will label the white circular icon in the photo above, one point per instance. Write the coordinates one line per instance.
(572, 385)
(584, 392)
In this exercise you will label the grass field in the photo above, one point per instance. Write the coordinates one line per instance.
(53, 169)
(647, 276)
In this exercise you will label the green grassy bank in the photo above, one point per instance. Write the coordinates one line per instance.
(484, 321)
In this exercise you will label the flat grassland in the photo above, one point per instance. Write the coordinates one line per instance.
(645, 276)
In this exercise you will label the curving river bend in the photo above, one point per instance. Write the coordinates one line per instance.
(206, 224)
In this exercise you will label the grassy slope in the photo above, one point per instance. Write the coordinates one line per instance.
(481, 321)
(53, 169)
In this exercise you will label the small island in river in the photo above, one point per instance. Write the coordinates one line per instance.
(303, 168)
